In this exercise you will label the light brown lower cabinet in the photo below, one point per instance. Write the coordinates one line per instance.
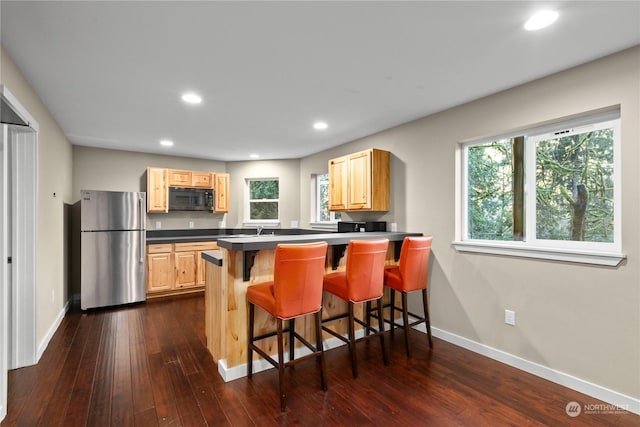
(174, 268)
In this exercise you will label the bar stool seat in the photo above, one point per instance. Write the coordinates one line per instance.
(361, 282)
(295, 291)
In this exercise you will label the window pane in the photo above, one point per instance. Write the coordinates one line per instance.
(263, 210)
(264, 189)
(490, 192)
(574, 187)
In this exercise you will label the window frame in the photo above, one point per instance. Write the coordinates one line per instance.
(599, 253)
(315, 220)
(248, 201)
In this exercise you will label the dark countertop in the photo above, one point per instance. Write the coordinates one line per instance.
(267, 241)
(213, 234)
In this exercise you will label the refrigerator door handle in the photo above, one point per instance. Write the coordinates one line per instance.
(142, 231)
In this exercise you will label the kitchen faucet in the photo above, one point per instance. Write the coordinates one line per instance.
(259, 230)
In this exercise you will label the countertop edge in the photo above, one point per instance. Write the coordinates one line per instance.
(270, 242)
(214, 257)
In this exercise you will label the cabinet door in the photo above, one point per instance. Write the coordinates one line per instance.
(221, 193)
(201, 179)
(179, 178)
(159, 272)
(185, 269)
(157, 190)
(338, 184)
(360, 181)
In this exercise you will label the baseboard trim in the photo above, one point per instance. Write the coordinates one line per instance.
(52, 330)
(628, 403)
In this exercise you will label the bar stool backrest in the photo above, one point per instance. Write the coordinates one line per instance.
(365, 268)
(298, 273)
(414, 262)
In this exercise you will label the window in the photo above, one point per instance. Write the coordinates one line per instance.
(546, 192)
(263, 199)
(322, 215)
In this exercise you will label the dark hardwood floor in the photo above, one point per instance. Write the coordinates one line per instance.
(147, 365)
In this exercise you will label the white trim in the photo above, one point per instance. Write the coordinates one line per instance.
(18, 108)
(52, 330)
(519, 249)
(599, 253)
(596, 391)
(4, 276)
(248, 200)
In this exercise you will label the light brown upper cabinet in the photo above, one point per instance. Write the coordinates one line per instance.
(201, 179)
(160, 179)
(338, 183)
(184, 178)
(157, 190)
(179, 178)
(221, 188)
(360, 181)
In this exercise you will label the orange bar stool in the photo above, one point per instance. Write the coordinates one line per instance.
(296, 290)
(361, 282)
(411, 274)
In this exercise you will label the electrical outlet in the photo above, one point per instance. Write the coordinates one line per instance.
(158, 225)
(510, 317)
(190, 224)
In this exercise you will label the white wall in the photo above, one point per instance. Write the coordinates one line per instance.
(578, 319)
(288, 172)
(54, 190)
(115, 170)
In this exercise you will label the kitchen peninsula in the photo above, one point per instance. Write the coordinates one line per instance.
(244, 261)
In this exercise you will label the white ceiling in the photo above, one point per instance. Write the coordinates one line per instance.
(112, 73)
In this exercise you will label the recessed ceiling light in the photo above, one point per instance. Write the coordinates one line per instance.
(254, 156)
(320, 125)
(541, 19)
(192, 98)
(166, 143)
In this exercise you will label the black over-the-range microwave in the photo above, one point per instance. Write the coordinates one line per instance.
(190, 199)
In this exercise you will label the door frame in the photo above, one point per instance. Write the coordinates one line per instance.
(19, 157)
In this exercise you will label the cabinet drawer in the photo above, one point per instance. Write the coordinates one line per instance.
(159, 248)
(201, 179)
(195, 246)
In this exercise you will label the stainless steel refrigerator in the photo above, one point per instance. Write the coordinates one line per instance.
(112, 246)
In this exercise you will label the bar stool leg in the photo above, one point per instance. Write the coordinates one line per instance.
(381, 332)
(250, 335)
(323, 366)
(292, 330)
(392, 314)
(368, 318)
(405, 321)
(427, 322)
(352, 342)
(283, 402)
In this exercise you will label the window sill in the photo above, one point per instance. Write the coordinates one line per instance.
(553, 254)
(264, 222)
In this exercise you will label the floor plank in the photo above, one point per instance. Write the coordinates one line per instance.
(147, 365)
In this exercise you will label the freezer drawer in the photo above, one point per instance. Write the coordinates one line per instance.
(113, 268)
